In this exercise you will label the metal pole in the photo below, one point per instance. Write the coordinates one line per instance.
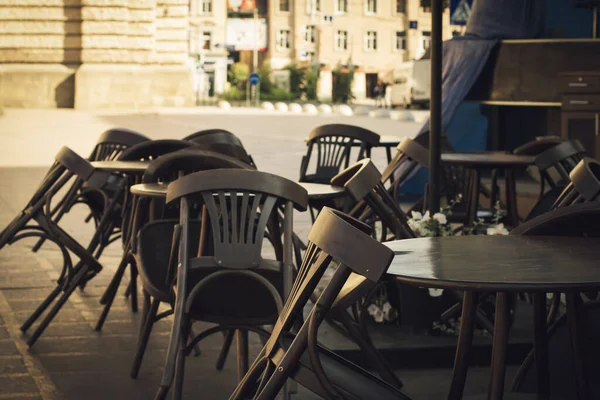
(256, 36)
(435, 112)
(595, 23)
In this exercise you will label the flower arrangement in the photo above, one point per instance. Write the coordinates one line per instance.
(428, 225)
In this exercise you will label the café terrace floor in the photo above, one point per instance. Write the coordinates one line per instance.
(71, 361)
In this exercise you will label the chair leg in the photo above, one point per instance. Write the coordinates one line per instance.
(59, 304)
(41, 308)
(225, 349)
(370, 352)
(113, 287)
(149, 321)
(134, 294)
(115, 281)
(241, 338)
(180, 365)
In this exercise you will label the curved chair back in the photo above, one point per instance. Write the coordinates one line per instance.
(363, 182)
(113, 142)
(153, 149)
(538, 146)
(333, 144)
(214, 136)
(560, 159)
(584, 186)
(231, 150)
(338, 239)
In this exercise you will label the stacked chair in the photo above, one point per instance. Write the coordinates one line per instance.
(221, 255)
(329, 149)
(36, 220)
(289, 353)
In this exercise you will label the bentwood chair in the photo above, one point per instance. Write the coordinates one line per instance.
(113, 142)
(335, 239)
(554, 165)
(227, 281)
(67, 166)
(164, 169)
(109, 146)
(377, 208)
(143, 151)
(329, 149)
(214, 136)
(584, 186)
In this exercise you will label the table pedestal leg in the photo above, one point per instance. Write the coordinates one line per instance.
(540, 345)
(500, 344)
(465, 339)
(511, 198)
(575, 336)
(473, 200)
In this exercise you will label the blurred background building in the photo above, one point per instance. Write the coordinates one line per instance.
(137, 53)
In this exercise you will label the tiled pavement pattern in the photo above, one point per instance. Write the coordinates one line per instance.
(71, 361)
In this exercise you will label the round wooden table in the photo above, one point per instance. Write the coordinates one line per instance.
(503, 264)
(149, 189)
(131, 167)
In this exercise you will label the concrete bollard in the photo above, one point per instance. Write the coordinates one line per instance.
(224, 105)
(310, 109)
(280, 106)
(325, 109)
(267, 106)
(344, 109)
(295, 108)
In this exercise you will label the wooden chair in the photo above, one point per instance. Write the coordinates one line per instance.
(166, 168)
(335, 239)
(238, 208)
(36, 221)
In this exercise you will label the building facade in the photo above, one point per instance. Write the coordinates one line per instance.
(94, 54)
(372, 35)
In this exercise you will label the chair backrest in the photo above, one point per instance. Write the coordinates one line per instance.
(575, 220)
(333, 145)
(214, 136)
(153, 149)
(113, 142)
(239, 204)
(556, 163)
(538, 146)
(231, 150)
(364, 184)
(335, 238)
(409, 155)
(584, 186)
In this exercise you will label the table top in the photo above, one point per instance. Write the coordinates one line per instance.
(498, 263)
(149, 189)
(122, 166)
(321, 190)
(487, 159)
(315, 190)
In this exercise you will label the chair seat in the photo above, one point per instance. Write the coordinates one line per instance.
(219, 300)
(353, 381)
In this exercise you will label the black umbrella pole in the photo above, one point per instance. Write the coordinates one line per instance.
(435, 119)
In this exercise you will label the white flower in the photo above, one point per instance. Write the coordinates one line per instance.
(426, 216)
(435, 292)
(386, 308)
(416, 215)
(378, 316)
(441, 218)
(497, 230)
(373, 309)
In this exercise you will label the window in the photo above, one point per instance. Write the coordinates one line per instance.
(341, 6)
(283, 39)
(310, 56)
(371, 41)
(370, 6)
(341, 40)
(426, 39)
(400, 41)
(400, 6)
(204, 7)
(310, 34)
(313, 6)
(206, 40)
(284, 5)
(200, 41)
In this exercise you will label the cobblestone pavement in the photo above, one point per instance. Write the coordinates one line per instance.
(71, 361)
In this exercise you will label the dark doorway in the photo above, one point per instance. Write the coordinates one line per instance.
(371, 82)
